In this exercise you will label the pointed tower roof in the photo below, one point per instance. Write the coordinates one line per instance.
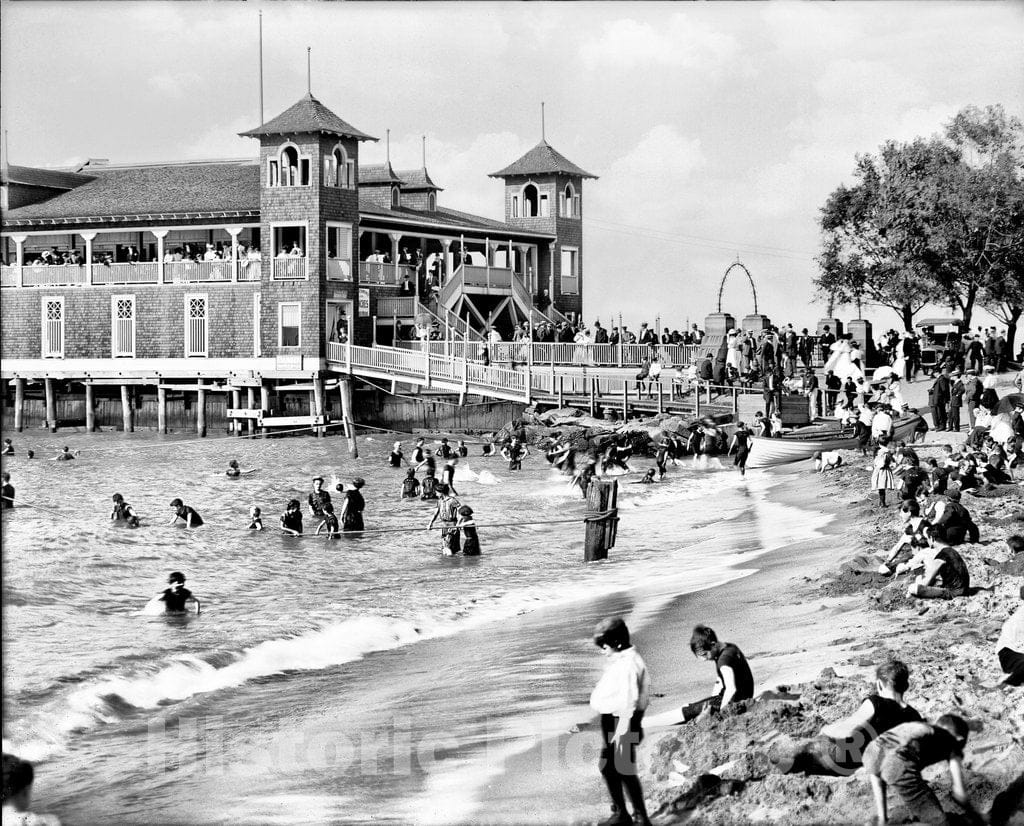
(308, 115)
(543, 159)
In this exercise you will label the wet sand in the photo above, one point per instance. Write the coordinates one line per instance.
(814, 621)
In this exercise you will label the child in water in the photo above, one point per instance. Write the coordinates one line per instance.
(397, 457)
(122, 512)
(448, 473)
(8, 449)
(233, 471)
(255, 519)
(462, 450)
(648, 478)
(410, 485)
(65, 455)
(329, 523)
(488, 449)
(291, 519)
(429, 487)
(186, 514)
(470, 540)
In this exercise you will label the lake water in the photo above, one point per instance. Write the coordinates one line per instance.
(324, 681)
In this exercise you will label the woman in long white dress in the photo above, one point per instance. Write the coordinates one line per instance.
(839, 362)
(732, 341)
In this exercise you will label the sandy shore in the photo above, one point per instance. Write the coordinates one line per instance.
(813, 625)
(859, 619)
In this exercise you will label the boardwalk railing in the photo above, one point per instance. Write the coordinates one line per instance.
(577, 355)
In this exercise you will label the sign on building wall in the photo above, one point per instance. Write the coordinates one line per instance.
(364, 302)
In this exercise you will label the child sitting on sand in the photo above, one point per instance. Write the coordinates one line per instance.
(899, 755)
(946, 567)
(839, 749)
(827, 460)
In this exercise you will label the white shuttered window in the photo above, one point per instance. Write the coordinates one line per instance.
(53, 327)
(196, 326)
(122, 319)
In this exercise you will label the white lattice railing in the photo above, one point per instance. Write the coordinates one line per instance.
(65, 275)
(376, 272)
(142, 272)
(289, 269)
(403, 307)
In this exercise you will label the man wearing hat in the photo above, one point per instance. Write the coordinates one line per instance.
(972, 392)
(956, 400)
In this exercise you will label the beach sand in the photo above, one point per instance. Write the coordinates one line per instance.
(814, 625)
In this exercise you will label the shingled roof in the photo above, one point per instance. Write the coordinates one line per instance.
(378, 173)
(417, 179)
(165, 189)
(308, 115)
(47, 178)
(541, 160)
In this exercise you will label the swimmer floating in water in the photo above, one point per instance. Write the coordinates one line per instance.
(233, 470)
(65, 455)
(122, 512)
(255, 519)
(177, 598)
(187, 514)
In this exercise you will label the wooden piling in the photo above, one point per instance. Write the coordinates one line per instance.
(318, 402)
(593, 393)
(51, 406)
(126, 410)
(19, 404)
(561, 393)
(161, 410)
(625, 399)
(264, 404)
(345, 388)
(90, 409)
(236, 400)
(201, 409)
(250, 403)
(602, 497)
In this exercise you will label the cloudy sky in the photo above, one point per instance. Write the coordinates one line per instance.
(716, 129)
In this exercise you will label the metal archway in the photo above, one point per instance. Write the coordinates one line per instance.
(750, 278)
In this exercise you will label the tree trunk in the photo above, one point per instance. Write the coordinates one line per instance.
(907, 313)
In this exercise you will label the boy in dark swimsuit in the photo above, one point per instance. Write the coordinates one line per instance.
(122, 512)
(233, 471)
(410, 485)
(65, 455)
(291, 519)
(188, 515)
(255, 519)
(397, 457)
(735, 681)
(178, 596)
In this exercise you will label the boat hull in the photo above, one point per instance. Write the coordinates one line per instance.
(796, 448)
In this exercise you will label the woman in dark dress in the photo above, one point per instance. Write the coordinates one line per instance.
(352, 510)
(470, 541)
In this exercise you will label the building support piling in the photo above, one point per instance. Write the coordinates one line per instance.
(19, 404)
(201, 409)
(90, 409)
(51, 406)
(126, 410)
(161, 410)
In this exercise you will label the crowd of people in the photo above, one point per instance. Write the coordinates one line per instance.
(130, 254)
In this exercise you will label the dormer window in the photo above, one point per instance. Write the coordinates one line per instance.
(396, 197)
(289, 168)
(530, 200)
(432, 202)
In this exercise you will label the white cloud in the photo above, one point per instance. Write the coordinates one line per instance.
(174, 85)
(683, 43)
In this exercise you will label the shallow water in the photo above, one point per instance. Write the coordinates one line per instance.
(324, 681)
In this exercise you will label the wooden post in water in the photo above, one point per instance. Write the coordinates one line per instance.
(661, 405)
(90, 409)
(625, 399)
(593, 400)
(126, 410)
(250, 402)
(345, 388)
(264, 403)
(236, 400)
(19, 404)
(161, 410)
(561, 393)
(200, 409)
(602, 497)
(51, 406)
(318, 401)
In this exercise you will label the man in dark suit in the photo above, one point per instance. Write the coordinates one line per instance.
(908, 356)
(938, 398)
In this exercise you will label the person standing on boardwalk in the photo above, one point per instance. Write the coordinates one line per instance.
(621, 697)
(448, 512)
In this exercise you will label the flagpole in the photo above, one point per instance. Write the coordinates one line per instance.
(261, 68)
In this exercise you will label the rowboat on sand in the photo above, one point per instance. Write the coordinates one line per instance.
(804, 442)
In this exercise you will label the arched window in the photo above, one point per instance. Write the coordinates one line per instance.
(568, 205)
(432, 202)
(529, 201)
(396, 198)
(289, 166)
(340, 167)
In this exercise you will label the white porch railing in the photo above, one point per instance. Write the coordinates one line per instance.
(9, 275)
(142, 272)
(250, 269)
(403, 307)
(61, 276)
(339, 269)
(376, 272)
(289, 269)
(486, 277)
